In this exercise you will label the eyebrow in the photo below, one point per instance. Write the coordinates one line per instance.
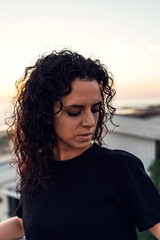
(78, 106)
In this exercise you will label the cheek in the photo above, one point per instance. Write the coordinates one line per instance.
(96, 117)
(58, 126)
(64, 125)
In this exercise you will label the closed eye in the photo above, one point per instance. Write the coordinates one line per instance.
(95, 110)
(74, 114)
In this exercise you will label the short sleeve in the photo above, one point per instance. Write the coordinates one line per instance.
(143, 200)
(19, 209)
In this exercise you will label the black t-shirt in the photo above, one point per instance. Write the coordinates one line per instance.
(100, 194)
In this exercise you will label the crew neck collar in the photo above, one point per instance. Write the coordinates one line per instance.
(76, 159)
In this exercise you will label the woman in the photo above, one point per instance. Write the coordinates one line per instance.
(71, 187)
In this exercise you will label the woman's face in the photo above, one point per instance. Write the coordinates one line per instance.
(76, 123)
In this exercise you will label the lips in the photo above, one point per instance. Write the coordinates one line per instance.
(85, 136)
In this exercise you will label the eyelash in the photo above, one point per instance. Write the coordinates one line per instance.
(76, 114)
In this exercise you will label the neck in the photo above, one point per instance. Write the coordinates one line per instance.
(62, 154)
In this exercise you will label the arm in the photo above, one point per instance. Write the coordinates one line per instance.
(11, 229)
(155, 230)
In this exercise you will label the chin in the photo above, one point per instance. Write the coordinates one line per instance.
(84, 144)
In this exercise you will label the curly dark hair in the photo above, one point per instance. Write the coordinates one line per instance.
(31, 123)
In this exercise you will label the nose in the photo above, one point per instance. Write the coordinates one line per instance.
(88, 120)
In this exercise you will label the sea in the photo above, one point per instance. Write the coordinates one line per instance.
(119, 103)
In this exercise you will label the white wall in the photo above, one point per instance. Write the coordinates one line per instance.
(3, 207)
(143, 148)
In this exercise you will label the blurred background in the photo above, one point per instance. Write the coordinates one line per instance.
(123, 34)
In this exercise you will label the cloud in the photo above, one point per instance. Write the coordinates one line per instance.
(153, 48)
(117, 46)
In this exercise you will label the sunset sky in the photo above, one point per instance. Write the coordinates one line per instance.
(123, 34)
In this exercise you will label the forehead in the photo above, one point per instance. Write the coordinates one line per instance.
(83, 92)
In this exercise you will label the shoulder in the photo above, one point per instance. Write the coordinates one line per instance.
(117, 157)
